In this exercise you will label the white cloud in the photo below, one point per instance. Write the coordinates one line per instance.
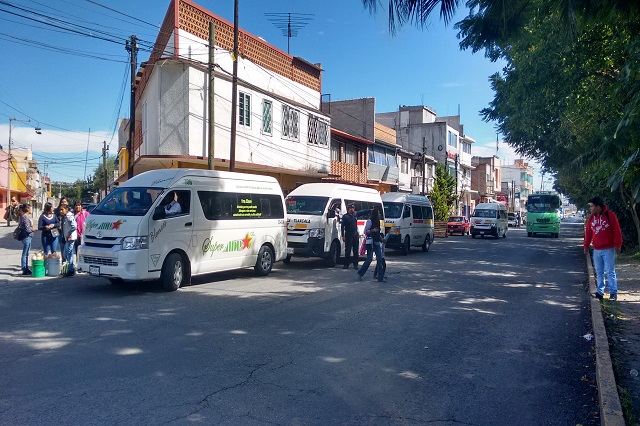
(55, 141)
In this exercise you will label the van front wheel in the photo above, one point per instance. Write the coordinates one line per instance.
(406, 246)
(334, 254)
(173, 272)
(264, 263)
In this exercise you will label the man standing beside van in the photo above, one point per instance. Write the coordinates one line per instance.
(349, 232)
(603, 229)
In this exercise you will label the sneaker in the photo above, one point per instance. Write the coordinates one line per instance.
(26, 272)
(613, 297)
(360, 277)
(598, 296)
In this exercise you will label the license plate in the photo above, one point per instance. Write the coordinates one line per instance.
(94, 270)
(289, 250)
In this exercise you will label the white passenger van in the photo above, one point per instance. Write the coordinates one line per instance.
(313, 229)
(408, 219)
(489, 219)
(223, 221)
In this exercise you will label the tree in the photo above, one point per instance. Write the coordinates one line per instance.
(98, 174)
(443, 195)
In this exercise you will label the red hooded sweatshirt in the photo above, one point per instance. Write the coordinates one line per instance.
(603, 230)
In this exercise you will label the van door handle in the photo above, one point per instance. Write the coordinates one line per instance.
(188, 224)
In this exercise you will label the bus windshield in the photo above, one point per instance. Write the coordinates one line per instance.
(314, 206)
(128, 201)
(543, 203)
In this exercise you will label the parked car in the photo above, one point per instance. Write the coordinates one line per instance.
(512, 219)
(458, 224)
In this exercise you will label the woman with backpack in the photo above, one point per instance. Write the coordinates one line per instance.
(49, 224)
(27, 228)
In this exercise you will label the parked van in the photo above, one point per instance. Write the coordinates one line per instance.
(489, 219)
(173, 224)
(408, 220)
(313, 227)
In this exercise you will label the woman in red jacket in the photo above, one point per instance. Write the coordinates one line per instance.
(603, 229)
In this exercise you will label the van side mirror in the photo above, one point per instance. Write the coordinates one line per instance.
(158, 213)
(331, 214)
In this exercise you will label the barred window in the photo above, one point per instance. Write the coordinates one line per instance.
(318, 131)
(244, 109)
(290, 123)
(267, 108)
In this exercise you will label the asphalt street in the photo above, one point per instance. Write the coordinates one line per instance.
(476, 331)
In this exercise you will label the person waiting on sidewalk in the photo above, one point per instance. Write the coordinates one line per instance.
(80, 214)
(70, 234)
(60, 216)
(49, 224)
(603, 229)
(26, 225)
(12, 211)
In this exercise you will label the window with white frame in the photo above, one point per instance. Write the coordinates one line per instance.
(244, 109)
(318, 131)
(404, 165)
(350, 154)
(466, 147)
(267, 117)
(335, 151)
(144, 122)
(453, 140)
(290, 123)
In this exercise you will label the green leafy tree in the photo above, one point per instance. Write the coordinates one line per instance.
(443, 194)
(99, 175)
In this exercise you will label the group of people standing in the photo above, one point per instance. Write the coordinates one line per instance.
(60, 227)
(374, 241)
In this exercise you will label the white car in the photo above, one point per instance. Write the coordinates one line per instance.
(512, 220)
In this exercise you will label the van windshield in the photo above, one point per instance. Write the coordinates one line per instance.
(303, 204)
(128, 201)
(392, 210)
(485, 213)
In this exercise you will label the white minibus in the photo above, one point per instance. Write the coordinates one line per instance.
(173, 224)
(408, 219)
(313, 228)
(489, 219)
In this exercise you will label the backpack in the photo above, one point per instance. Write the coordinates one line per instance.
(19, 233)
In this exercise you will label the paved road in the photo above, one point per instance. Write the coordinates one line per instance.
(476, 332)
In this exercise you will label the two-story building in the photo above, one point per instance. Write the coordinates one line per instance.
(281, 129)
(486, 178)
(440, 140)
(521, 173)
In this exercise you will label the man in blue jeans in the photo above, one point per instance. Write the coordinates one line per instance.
(603, 229)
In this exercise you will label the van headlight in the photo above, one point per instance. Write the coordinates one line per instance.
(316, 233)
(134, 243)
(395, 230)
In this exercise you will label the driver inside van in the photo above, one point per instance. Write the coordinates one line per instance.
(173, 206)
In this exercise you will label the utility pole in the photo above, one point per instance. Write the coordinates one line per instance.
(132, 47)
(212, 40)
(9, 163)
(424, 157)
(104, 166)
(234, 91)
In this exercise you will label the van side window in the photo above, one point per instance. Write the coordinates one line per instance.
(177, 203)
(417, 212)
(231, 205)
(427, 212)
(407, 211)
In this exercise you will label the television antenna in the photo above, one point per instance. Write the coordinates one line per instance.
(289, 23)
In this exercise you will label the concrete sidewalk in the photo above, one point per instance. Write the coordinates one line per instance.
(11, 253)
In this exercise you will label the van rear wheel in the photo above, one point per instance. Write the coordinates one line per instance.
(427, 243)
(264, 263)
(173, 272)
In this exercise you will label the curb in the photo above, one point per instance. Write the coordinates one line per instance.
(609, 401)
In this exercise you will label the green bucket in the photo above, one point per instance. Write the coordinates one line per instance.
(37, 268)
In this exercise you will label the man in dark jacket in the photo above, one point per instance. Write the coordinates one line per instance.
(349, 232)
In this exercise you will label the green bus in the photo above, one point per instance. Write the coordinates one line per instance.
(542, 214)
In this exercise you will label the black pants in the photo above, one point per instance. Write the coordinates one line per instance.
(351, 243)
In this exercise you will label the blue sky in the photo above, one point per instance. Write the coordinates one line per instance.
(76, 100)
